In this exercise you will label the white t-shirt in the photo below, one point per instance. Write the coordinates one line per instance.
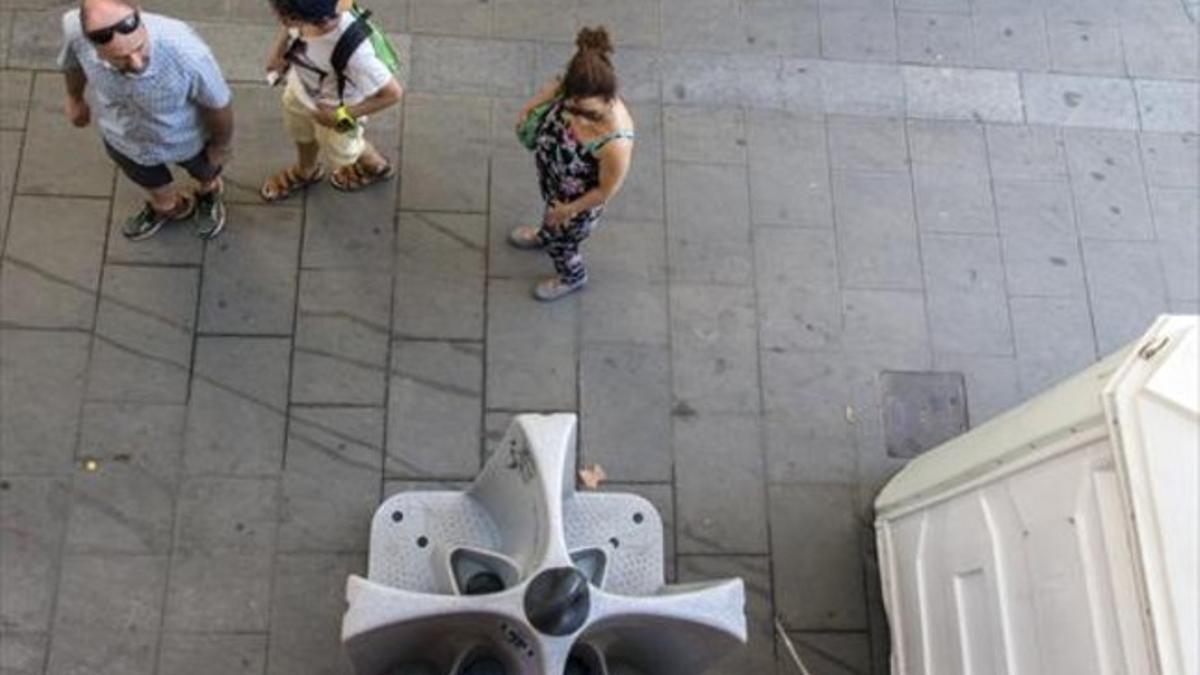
(366, 74)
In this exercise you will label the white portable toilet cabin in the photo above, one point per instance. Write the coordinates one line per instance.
(1061, 537)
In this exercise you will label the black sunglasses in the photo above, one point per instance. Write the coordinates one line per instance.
(103, 36)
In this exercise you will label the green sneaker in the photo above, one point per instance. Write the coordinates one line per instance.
(210, 214)
(147, 222)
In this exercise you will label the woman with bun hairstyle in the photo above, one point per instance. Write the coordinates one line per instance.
(582, 142)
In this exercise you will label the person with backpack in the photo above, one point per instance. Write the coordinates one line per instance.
(339, 69)
(581, 135)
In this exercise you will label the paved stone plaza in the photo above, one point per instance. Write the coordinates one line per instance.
(193, 438)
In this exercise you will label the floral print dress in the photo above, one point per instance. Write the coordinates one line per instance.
(568, 169)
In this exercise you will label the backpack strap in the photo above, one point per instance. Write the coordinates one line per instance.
(355, 34)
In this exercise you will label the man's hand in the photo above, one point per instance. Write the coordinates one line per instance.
(324, 115)
(559, 214)
(78, 111)
(218, 155)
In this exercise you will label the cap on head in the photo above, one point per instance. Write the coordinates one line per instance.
(306, 11)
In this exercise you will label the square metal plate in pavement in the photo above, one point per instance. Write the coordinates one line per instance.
(921, 411)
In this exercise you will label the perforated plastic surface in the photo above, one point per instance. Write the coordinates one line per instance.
(522, 521)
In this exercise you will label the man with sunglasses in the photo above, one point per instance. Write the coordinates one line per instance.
(159, 99)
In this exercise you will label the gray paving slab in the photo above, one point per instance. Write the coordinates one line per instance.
(435, 409)
(1176, 212)
(712, 135)
(1170, 160)
(440, 270)
(858, 34)
(1035, 208)
(1053, 338)
(758, 656)
(951, 144)
(832, 653)
(1026, 153)
(867, 144)
(1168, 106)
(447, 65)
(237, 406)
(250, 273)
(798, 289)
(708, 223)
(127, 505)
(202, 653)
(52, 138)
(779, 26)
(341, 342)
(15, 89)
(720, 498)
(964, 94)
(228, 41)
(1110, 191)
(877, 234)
(966, 295)
(640, 68)
(960, 6)
(74, 651)
(935, 38)
(462, 18)
(1086, 47)
(6, 22)
(533, 19)
(724, 79)
(991, 383)
(789, 170)
(226, 592)
(1160, 50)
(625, 407)
(809, 438)
(514, 201)
(446, 149)
(1127, 290)
(530, 351)
(41, 388)
(23, 653)
(144, 331)
(1075, 101)
(714, 349)
(174, 244)
(36, 37)
(331, 240)
(11, 142)
(330, 483)
(712, 25)
(263, 146)
(49, 275)
(631, 22)
(641, 197)
(862, 88)
(950, 199)
(112, 593)
(307, 604)
(33, 511)
(1010, 38)
(227, 515)
(627, 251)
(615, 310)
(1047, 266)
(885, 321)
(815, 555)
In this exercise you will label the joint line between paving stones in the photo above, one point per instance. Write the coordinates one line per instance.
(760, 417)
(487, 286)
(1157, 241)
(1087, 284)
(79, 417)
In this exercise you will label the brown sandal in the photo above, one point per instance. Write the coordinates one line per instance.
(283, 184)
(356, 176)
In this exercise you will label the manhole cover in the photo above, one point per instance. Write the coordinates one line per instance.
(922, 411)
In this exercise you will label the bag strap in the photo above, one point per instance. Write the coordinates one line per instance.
(604, 140)
(356, 33)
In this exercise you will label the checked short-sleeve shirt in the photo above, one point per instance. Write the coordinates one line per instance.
(152, 117)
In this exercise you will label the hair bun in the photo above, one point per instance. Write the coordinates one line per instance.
(594, 39)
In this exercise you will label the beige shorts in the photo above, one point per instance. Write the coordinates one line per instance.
(340, 148)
